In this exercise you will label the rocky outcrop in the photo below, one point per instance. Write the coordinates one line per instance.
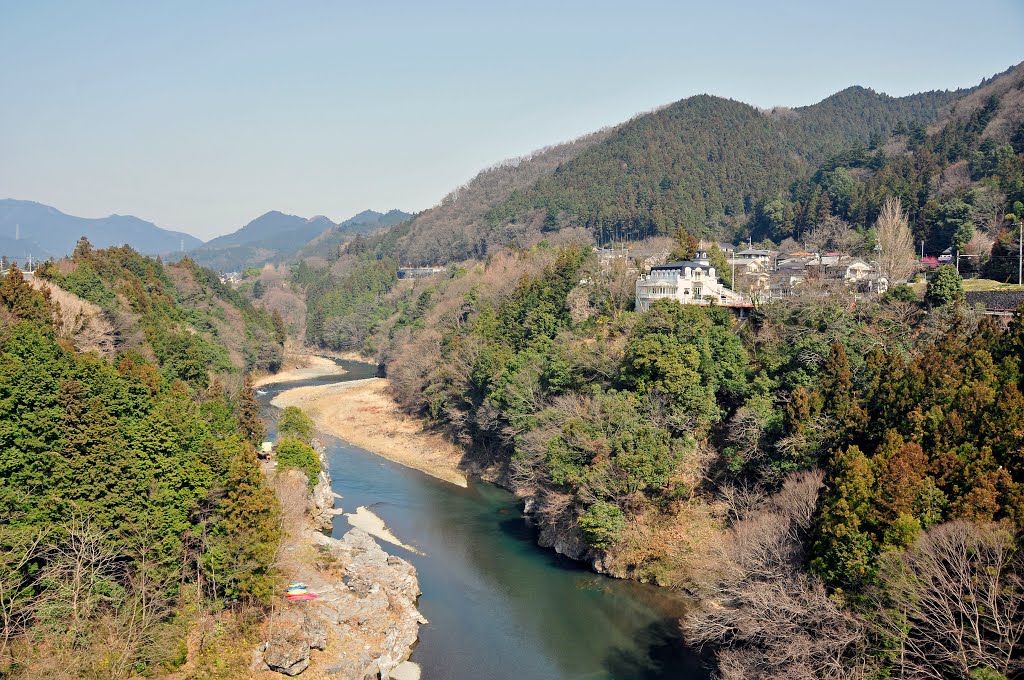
(565, 538)
(375, 611)
(321, 508)
(365, 616)
(293, 633)
(558, 529)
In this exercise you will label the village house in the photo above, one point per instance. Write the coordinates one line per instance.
(744, 258)
(846, 268)
(691, 282)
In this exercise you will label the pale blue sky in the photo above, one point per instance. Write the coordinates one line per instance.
(200, 116)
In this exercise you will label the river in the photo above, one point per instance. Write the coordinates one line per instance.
(499, 606)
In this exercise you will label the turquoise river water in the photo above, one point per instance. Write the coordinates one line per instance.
(499, 606)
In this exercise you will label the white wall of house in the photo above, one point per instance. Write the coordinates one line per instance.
(689, 285)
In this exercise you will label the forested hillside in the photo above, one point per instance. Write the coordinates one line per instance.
(132, 505)
(458, 228)
(179, 315)
(702, 160)
(836, 480)
(798, 465)
(962, 181)
(703, 163)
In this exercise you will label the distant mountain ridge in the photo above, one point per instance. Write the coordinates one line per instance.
(328, 243)
(271, 230)
(30, 228)
(704, 162)
(274, 236)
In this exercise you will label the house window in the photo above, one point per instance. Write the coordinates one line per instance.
(696, 291)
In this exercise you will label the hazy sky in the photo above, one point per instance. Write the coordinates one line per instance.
(200, 116)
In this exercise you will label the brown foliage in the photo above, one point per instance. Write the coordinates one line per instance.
(770, 618)
(458, 229)
(896, 258)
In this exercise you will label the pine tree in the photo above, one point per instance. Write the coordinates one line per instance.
(838, 391)
(21, 299)
(717, 260)
(844, 550)
(83, 249)
(686, 246)
(250, 425)
(945, 287)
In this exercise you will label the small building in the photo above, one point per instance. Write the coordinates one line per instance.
(753, 255)
(789, 275)
(690, 282)
(419, 272)
(846, 268)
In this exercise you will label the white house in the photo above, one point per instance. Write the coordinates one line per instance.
(692, 282)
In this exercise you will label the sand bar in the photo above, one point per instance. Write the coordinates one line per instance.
(362, 413)
(302, 367)
(369, 522)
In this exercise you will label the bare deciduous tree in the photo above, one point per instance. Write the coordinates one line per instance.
(76, 566)
(771, 619)
(17, 601)
(895, 241)
(955, 600)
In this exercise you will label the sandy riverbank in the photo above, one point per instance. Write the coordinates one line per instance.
(362, 413)
(301, 367)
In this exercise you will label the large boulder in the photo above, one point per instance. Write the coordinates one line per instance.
(358, 666)
(287, 648)
(315, 630)
(377, 606)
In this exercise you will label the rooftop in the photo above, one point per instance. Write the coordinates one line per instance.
(683, 264)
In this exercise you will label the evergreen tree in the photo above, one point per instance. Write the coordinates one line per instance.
(945, 287)
(717, 260)
(844, 551)
(246, 533)
(250, 425)
(21, 299)
(280, 330)
(686, 246)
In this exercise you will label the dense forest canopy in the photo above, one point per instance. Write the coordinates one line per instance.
(125, 486)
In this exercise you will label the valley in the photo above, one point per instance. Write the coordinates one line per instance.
(717, 391)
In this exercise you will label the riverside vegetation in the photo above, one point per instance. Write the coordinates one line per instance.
(837, 480)
(137, 534)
